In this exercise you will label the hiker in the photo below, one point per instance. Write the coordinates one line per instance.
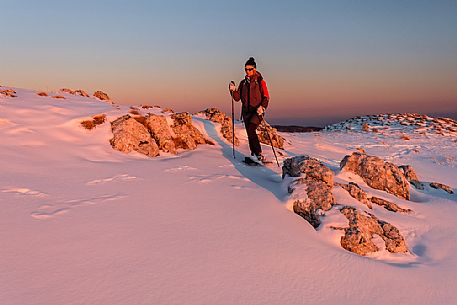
(254, 97)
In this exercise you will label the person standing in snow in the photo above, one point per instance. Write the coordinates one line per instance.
(254, 97)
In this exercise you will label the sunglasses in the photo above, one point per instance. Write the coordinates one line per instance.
(248, 69)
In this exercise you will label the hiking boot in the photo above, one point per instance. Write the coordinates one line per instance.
(258, 158)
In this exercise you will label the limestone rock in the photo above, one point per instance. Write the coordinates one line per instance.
(102, 96)
(377, 173)
(362, 226)
(388, 205)
(411, 176)
(444, 187)
(161, 132)
(8, 93)
(312, 190)
(75, 92)
(94, 122)
(129, 135)
(311, 168)
(187, 136)
(217, 116)
(356, 192)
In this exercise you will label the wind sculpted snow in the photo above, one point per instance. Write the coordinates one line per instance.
(82, 223)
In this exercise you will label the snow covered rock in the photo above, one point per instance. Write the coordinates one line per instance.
(356, 192)
(161, 132)
(411, 176)
(444, 187)
(187, 136)
(130, 135)
(377, 173)
(266, 132)
(217, 116)
(312, 190)
(75, 92)
(398, 123)
(358, 237)
(101, 96)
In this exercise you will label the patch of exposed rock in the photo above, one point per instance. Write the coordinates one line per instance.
(78, 92)
(266, 132)
(187, 136)
(411, 176)
(396, 123)
(161, 132)
(8, 93)
(153, 133)
(102, 96)
(94, 122)
(217, 116)
(312, 190)
(358, 237)
(444, 187)
(388, 205)
(377, 173)
(130, 135)
(356, 192)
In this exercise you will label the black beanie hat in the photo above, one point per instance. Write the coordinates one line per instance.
(251, 62)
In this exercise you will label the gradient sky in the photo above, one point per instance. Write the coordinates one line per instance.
(322, 60)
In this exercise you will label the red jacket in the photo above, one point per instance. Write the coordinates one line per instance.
(253, 92)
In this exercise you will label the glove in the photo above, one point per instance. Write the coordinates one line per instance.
(232, 86)
(261, 110)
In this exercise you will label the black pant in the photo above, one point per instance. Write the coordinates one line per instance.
(251, 122)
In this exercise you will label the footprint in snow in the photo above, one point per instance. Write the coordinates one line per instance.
(48, 211)
(24, 191)
(179, 169)
(121, 177)
(211, 178)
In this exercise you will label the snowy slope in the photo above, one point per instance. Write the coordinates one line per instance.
(84, 224)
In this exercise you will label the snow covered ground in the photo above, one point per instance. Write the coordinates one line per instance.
(81, 223)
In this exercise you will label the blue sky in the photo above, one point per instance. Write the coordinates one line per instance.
(323, 60)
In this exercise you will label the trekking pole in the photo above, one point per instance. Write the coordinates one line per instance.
(233, 129)
(271, 141)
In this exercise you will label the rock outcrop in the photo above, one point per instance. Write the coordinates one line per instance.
(161, 132)
(312, 190)
(411, 176)
(398, 124)
(444, 187)
(8, 92)
(129, 135)
(102, 96)
(389, 205)
(266, 132)
(153, 133)
(94, 122)
(75, 92)
(356, 192)
(187, 136)
(377, 173)
(362, 226)
(217, 116)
